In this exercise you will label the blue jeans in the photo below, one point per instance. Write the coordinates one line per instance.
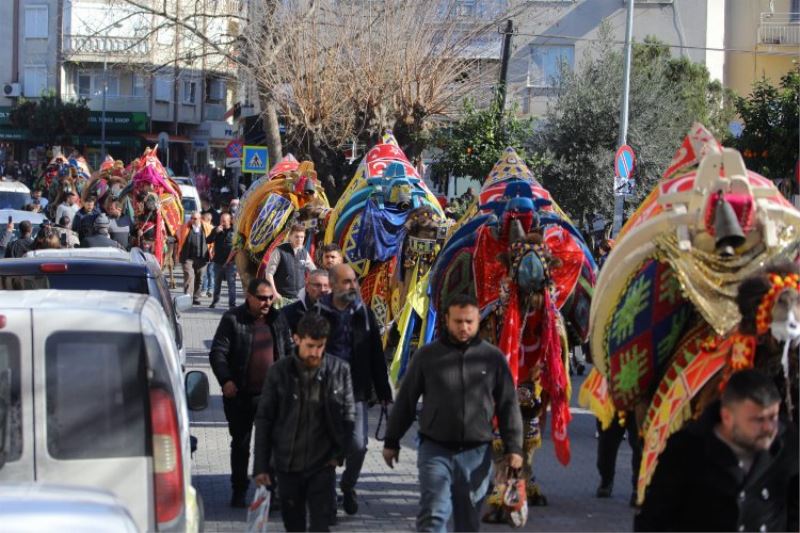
(207, 285)
(229, 272)
(358, 449)
(452, 483)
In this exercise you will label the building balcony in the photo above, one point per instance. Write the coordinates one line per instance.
(96, 48)
(781, 29)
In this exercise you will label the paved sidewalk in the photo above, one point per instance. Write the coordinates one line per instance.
(388, 498)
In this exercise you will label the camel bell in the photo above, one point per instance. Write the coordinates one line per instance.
(727, 229)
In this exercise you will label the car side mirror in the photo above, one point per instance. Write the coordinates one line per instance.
(182, 302)
(5, 414)
(196, 384)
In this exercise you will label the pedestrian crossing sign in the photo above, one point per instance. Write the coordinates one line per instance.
(255, 159)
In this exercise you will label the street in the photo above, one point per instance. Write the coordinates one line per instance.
(388, 498)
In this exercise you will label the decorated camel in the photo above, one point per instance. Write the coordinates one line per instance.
(389, 226)
(289, 194)
(533, 277)
(665, 318)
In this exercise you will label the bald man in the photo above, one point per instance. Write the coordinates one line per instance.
(356, 338)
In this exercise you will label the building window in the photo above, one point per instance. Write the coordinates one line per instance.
(83, 86)
(113, 84)
(216, 90)
(546, 64)
(139, 87)
(36, 22)
(189, 92)
(163, 88)
(35, 82)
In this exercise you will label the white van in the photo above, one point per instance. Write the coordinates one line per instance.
(91, 395)
(190, 199)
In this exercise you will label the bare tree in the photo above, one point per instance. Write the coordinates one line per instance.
(350, 70)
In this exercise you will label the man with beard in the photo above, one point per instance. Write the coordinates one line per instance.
(466, 383)
(304, 423)
(735, 469)
(355, 338)
(249, 339)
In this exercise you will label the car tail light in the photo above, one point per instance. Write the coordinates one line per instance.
(167, 457)
(51, 268)
(2, 321)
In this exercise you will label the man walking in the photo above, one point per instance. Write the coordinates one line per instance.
(222, 239)
(355, 338)
(735, 469)
(287, 266)
(249, 339)
(192, 252)
(466, 382)
(316, 286)
(305, 422)
(331, 256)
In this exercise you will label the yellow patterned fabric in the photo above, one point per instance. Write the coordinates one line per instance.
(710, 282)
(594, 396)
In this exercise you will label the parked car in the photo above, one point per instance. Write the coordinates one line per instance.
(91, 393)
(108, 269)
(35, 507)
(14, 195)
(191, 201)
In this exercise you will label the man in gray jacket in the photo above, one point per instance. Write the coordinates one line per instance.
(466, 382)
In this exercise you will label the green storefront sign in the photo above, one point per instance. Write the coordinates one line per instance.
(118, 121)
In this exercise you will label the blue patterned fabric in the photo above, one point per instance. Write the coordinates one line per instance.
(381, 234)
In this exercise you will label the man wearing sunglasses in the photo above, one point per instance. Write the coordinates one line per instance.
(249, 339)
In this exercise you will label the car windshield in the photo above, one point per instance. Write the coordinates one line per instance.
(16, 230)
(189, 204)
(14, 200)
(73, 282)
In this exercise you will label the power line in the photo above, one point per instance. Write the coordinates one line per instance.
(689, 47)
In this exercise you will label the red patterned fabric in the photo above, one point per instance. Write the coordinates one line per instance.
(554, 380)
(489, 271)
(510, 334)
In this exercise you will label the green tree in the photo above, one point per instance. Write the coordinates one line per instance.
(472, 145)
(579, 135)
(770, 135)
(51, 118)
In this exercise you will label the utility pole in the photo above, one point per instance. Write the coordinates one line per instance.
(103, 113)
(619, 196)
(501, 92)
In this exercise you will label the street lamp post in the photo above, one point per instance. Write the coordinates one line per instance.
(103, 113)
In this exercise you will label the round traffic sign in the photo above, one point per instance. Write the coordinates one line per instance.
(624, 161)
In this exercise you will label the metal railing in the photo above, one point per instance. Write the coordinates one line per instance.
(79, 45)
(779, 28)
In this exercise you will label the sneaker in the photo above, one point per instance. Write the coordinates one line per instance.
(213, 305)
(195, 302)
(208, 294)
(604, 491)
(237, 500)
(349, 501)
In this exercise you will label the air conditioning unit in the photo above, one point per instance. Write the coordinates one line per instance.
(12, 89)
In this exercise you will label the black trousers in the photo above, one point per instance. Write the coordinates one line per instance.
(608, 445)
(240, 412)
(307, 490)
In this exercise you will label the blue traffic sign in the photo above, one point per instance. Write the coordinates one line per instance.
(255, 159)
(623, 162)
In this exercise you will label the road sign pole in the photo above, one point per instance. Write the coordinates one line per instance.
(619, 199)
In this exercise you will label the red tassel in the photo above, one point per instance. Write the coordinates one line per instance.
(510, 334)
(555, 381)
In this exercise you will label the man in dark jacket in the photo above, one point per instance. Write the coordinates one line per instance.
(18, 247)
(83, 221)
(735, 469)
(355, 338)
(304, 423)
(100, 238)
(249, 339)
(317, 286)
(466, 382)
(222, 239)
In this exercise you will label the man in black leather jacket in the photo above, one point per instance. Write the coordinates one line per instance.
(304, 423)
(249, 339)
